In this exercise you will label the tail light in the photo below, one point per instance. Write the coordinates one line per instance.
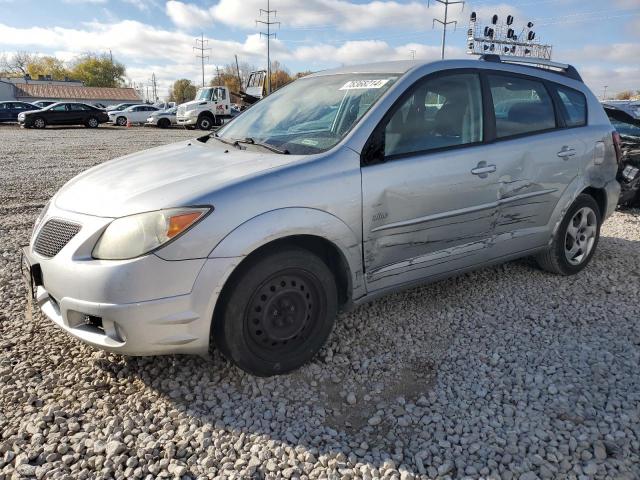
(617, 144)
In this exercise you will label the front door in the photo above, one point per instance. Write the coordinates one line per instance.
(429, 204)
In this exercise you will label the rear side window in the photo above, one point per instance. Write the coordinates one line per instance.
(521, 106)
(575, 105)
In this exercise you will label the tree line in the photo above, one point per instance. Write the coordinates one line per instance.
(234, 77)
(94, 70)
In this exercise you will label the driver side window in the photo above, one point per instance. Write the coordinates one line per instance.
(440, 112)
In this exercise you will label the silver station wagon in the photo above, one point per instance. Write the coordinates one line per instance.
(342, 186)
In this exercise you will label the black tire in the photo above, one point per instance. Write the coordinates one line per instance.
(92, 123)
(39, 123)
(164, 123)
(277, 312)
(205, 122)
(121, 121)
(556, 258)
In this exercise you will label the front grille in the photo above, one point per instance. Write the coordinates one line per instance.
(53, 236)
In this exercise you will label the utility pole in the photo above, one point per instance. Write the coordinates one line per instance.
(268, 12)
(238, 70)
(413, 54)
(111, 56)
(200, 48)
(446, 22)
(154, 89)
(604, 93)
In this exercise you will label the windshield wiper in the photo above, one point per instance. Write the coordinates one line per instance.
(251, 141)
(220, 139)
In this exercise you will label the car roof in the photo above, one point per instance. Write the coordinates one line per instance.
(402, 67)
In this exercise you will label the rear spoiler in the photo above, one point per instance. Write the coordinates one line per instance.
(540, 63)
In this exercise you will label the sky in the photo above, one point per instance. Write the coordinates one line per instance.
(602, 39)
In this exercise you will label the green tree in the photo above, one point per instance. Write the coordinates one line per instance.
(182, 91)
(98, 71)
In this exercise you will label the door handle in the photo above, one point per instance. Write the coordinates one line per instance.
(483, 169)
(566, 152)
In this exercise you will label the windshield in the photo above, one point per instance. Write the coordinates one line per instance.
(310, 115)
(211, 94)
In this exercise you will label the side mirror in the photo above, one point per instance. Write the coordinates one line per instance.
(373, 151)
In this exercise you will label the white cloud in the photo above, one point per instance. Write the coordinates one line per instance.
(602, 54)
(85, 1)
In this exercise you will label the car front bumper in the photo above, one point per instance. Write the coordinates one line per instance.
(187, 120)
(143, 306)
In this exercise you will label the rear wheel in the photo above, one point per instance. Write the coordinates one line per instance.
(39, 122)
(278, 312)
(576, 239)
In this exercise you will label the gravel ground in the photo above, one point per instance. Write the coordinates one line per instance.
(503, 373)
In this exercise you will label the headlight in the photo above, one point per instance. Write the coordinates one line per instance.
(41, 215)
(135, 235)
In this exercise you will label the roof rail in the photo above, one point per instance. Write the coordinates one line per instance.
(541, 63)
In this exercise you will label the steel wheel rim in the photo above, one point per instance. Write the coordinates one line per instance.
(39, 123)
(580, 236)
(282, 313)
(204, 124)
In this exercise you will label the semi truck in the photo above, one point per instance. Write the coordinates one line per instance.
(212, 105)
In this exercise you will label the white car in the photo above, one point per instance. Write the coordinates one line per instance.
(134, 114)
(163, 118)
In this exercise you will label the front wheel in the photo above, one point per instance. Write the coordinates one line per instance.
(39, 122)
(164, 123)
(204, 123)
(575, 240)
(121, 121)
(278, 312)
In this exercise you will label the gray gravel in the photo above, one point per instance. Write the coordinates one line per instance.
(503, 373)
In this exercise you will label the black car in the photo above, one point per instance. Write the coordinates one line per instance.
(628, 127)
(64, 113)
(43, 103)
(9, 110)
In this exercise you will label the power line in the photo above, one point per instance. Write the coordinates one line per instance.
(445, 22)
(268, 23)
(201, 47)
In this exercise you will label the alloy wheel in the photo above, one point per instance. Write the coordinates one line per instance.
(581, 235)
(38, 123)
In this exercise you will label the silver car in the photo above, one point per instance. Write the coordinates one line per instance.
(340, 187)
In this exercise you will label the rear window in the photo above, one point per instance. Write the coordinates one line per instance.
(575, 105)
(521, 106)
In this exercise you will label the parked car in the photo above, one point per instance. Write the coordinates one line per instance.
(628, 127)
(163, 118)
(252, 238)
(44, 103)
(121, 106)
(134, 114)
(64, 113)
(9, 111)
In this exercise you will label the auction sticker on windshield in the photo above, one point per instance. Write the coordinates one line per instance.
(360, 84)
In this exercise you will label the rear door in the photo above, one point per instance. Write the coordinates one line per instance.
(536, 159)
(5, 111)
(430, 199)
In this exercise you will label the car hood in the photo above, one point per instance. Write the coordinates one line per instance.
(174, 175)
